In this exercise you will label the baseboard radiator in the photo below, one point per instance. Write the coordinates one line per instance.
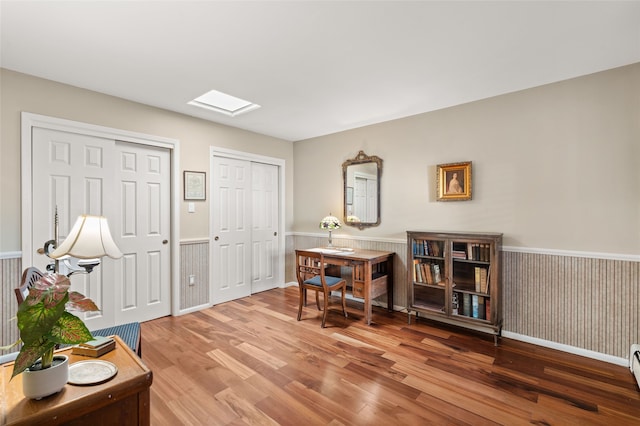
(634, 362)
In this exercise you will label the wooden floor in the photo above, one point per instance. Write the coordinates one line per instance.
(250, 362)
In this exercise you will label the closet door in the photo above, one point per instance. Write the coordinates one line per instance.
(130, 185)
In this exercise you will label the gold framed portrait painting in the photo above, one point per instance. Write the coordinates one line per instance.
(454, 181)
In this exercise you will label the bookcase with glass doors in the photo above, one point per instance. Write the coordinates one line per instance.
(454, 277)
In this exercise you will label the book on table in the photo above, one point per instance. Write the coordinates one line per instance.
(99, 346)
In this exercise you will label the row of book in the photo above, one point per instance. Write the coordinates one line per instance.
(428, 248)
(427, 273)
(472, 251)
(481, 252)
(473, 305)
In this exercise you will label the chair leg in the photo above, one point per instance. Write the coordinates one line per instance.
(326, 308)
(303, 295)
(318, 301)
(344, 302)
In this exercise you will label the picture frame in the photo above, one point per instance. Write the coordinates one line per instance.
(349, 195)
(195, 185)
(454, 181)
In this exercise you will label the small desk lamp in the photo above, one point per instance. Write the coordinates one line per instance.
(330, 222)
(89, 240)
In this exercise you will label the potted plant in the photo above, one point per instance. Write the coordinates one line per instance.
(44, 322)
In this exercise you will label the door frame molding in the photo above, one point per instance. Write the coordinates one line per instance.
(31, 120)
(215, 151)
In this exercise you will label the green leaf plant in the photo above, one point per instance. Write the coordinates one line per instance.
(44, 321)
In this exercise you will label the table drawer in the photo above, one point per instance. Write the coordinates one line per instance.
(358, 290)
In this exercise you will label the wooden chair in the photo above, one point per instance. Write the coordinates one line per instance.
(310, 271)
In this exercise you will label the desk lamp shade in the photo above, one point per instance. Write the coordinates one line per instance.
(89, 238)
(330, 222)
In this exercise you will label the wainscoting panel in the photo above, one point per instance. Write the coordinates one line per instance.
(583, 302)
(580, 301)
(194, 260)
(10, 273)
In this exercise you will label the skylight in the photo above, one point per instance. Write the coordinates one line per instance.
(223, 103)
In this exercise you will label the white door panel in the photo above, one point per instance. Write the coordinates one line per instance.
(143, 287)
(232, 237)
(264, 235)
(75, 173)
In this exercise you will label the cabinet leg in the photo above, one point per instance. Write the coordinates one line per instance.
(496, 337)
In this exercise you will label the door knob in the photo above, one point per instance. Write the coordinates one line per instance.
(275, 234)
(165, 241)
(216, 238)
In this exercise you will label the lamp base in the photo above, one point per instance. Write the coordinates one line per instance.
(330, 244)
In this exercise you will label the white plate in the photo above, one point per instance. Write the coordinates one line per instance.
(91, 372)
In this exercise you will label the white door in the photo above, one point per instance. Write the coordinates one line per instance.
(231, 229)
(85, 174)
(75, 173)
(365, 197)
(142, 287)
(264, 227)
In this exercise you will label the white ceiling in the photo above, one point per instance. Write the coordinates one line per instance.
(315, 67)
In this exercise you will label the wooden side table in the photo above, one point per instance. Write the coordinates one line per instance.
(123, 400)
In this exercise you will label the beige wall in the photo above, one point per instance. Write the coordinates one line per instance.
(554, 167)
(20, 92)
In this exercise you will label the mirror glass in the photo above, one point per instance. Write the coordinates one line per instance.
(362, 190)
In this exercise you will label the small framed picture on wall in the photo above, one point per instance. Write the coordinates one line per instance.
(195, 185)
(454, 181)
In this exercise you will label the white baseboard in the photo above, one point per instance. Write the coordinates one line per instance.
(567, 348)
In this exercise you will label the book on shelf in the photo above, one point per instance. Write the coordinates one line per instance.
(466, 304)
(483, 280)
(417, 271)
(459, 254)
(474, 305)
(476, 271)
(481, 307)
(425, 270)
(487, 308)
(488, 288)
(435, 249)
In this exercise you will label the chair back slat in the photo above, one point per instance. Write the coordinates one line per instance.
(29, 277)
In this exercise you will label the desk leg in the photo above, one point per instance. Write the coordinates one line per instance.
(367, 292)
(390, 284)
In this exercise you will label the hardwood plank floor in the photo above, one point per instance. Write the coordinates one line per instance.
(250, 362)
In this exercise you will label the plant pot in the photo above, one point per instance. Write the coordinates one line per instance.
(36, 383)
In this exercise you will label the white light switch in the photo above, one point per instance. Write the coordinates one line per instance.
(192, 279)
(192, 207)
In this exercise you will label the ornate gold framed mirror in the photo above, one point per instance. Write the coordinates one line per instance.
(362, 190)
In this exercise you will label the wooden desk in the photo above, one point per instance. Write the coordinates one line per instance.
(372, 273)
(123, 400)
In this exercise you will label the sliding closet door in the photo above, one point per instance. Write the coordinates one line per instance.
(264, 227)
(231, 229)
(129, 184)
